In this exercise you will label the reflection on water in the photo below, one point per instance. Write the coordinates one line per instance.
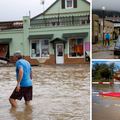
(106, 88)
(104, 80)
(24, 113)
(58, 93)
(105, 107)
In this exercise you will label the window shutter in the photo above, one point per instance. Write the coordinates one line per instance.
(75, 3)
(63, 4)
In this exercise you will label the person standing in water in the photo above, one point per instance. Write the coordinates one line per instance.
(24, 75)
(107, 38)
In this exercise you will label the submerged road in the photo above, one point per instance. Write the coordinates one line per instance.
(59, 93)
(105, 107)
(103, 52)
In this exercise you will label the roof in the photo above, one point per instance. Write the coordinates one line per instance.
(86, 1)
(45, 10)
(60, 39)
(51, 6)
(118, 71)
(3, 22)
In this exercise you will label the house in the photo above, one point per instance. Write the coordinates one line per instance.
(118, 73)
(9, 25)
(59, 35)
(97, 29)
(116, 21)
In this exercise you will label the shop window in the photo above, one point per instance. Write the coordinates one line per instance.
(69, 3)
(45, 48)
(76, 47)
(40, 48)
(35, 51)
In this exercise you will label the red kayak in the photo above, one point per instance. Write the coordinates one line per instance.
(116, 77)
(117, 94)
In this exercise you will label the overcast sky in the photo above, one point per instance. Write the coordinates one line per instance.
(12, 10)
(109, 4)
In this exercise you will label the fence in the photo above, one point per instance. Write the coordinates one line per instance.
(60, 21)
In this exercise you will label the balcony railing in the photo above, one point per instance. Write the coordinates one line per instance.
(60, 21)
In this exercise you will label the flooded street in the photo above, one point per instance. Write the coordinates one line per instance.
(104, 52)
(59, 93)
(105, 107)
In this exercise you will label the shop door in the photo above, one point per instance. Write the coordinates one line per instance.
(59, 54)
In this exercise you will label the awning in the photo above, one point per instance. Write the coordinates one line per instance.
(58, 39)
(43, 36)
(71, 35)
(5, 40)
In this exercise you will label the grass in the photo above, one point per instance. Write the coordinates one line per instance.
(103, 80)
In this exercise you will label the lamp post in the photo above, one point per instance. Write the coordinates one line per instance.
(103, 8)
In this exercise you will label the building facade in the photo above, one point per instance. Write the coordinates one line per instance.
(97, 29)
(60, 35)
(116, 21)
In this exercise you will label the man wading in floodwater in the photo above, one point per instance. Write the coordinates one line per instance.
(24, 74)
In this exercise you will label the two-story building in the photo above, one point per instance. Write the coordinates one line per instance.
(59, 35)
(97, 28)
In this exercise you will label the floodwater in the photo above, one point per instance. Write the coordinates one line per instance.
(104, 52)
(105, 55)
(59, 93)
(105, 107)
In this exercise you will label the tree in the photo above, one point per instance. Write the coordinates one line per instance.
(105, 73)
(104, 70)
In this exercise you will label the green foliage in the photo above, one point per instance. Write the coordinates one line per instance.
(116, 36)
(105, 73)
(104, 70)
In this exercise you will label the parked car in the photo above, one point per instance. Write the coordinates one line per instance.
(117, 46)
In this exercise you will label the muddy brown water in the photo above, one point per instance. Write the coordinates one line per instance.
(105, 55)
(105, 107)
(100, 52)
(59, 93)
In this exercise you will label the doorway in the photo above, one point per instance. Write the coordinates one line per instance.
(59, 54)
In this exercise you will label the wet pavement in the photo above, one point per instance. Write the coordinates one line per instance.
(103, 52)
(105, 107)
(59, 93)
